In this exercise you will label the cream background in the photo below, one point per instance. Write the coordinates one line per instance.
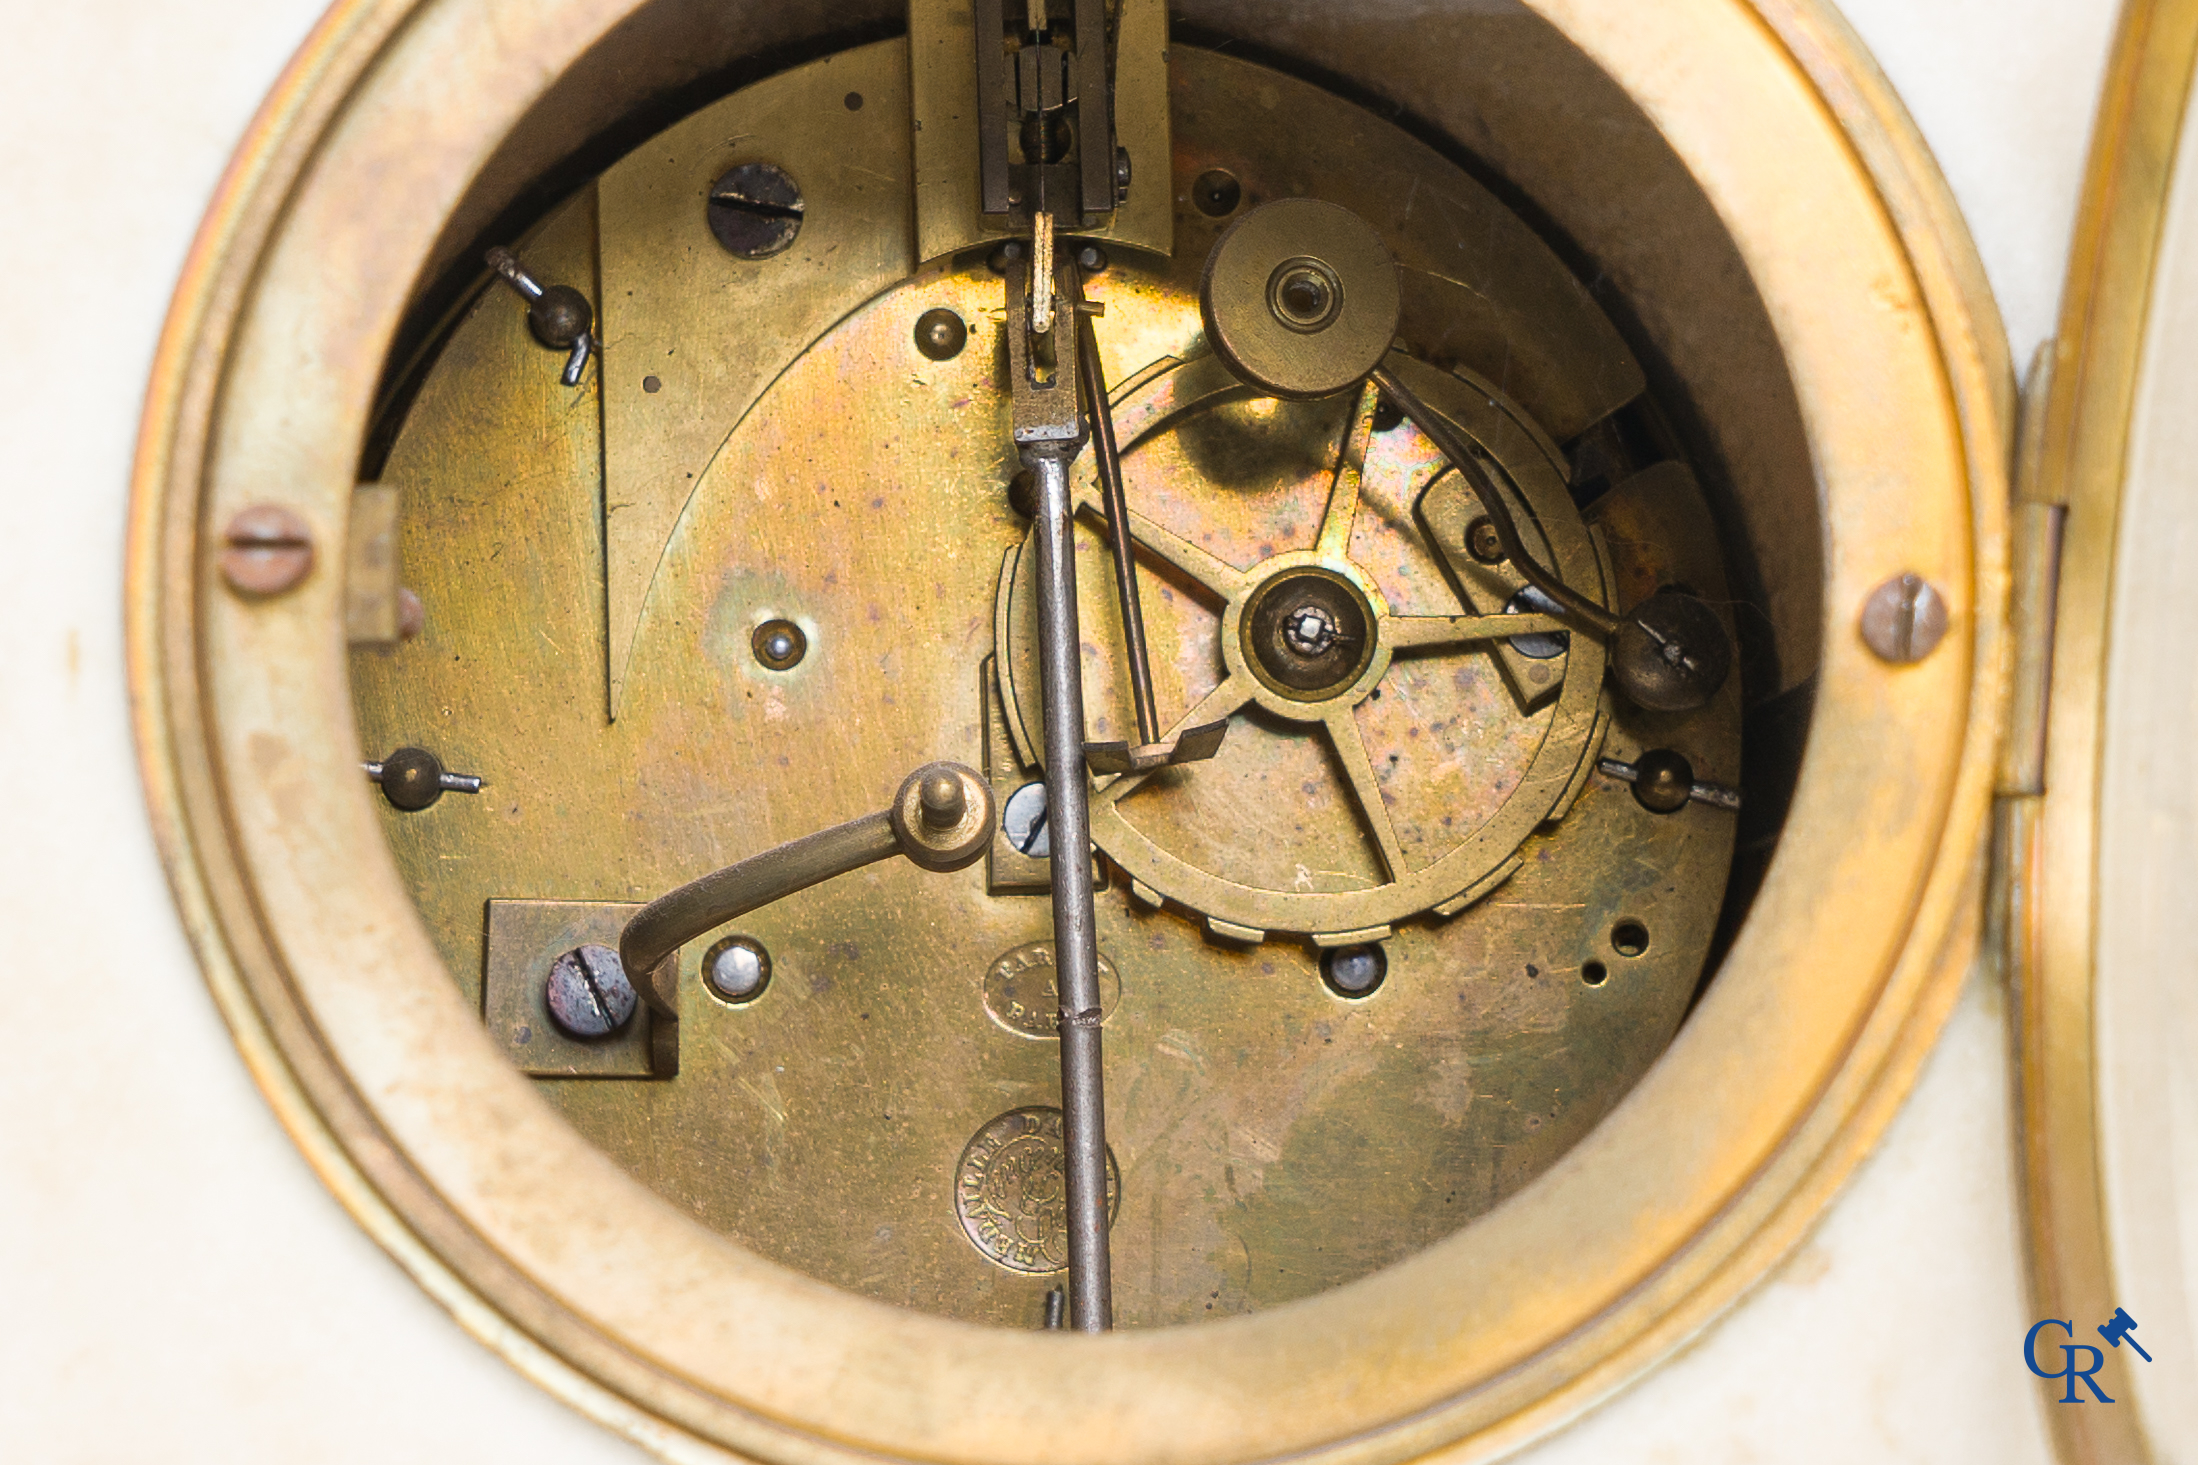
(174, 1283)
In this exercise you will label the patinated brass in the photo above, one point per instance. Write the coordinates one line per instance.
(1848, 362)
(860, 499)
(372, 576)
(1300, 297)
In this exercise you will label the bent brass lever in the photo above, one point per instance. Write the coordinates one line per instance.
(941, 818)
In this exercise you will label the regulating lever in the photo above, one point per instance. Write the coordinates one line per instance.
(941, 818)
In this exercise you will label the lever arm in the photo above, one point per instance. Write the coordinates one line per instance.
(941, 818)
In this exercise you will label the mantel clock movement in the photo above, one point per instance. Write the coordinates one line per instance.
(1003, 735)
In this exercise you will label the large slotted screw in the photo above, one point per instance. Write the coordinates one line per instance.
(1904, 619)
(266, 550)
(587, 993)
(755, 210)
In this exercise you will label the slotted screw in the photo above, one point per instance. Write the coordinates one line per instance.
(266, 550)
(755, 210)
(587, 993)
(1904, 619)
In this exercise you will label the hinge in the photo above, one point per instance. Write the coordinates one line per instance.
(2038, 521)
(2039, 517)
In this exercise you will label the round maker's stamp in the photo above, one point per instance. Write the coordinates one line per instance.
(1012, 1193)
(1023, 995)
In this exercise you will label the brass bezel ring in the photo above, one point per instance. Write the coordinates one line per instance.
(1666, 1212)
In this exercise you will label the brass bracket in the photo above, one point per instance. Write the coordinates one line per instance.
(372, 567)
(942, 79)
(524, 938)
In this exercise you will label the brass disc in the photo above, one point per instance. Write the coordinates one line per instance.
(1300, 297)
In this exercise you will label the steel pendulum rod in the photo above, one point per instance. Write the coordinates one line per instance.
(1075, 939)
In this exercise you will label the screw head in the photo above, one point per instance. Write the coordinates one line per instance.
(1670, 654)
(1091, 259)
(587, 993)
(1536, 645)
(1217, 193)
(736, 970)
(1663, 781)
(1354, 971)
(779, 644)
(1483, 542)
(267, 550)
(755, 210)
(940, 334)
(412, 779)
(1023, 821)
(1904, 619)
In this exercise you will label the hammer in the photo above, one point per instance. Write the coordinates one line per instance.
(2117, 1331)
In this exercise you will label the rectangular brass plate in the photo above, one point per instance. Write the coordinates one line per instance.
(371, 577)
(524, 938)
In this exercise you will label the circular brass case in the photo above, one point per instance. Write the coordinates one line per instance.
(2089, 947)
(1783, 1077)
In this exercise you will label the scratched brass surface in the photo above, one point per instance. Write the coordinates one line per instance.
(673, 300)
(1480, 287)
(1274, 1139)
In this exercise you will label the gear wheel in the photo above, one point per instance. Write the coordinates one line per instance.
(1403, 716)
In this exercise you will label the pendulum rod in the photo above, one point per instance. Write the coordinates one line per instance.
(1050, 87)
(1050, 429)
(1075, 939)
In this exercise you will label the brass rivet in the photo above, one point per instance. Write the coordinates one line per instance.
(1481, 539)
(1904, 619)
(779, 644)
(267, 550)
(940, 334)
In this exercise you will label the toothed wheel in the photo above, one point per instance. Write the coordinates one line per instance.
(1403, 716)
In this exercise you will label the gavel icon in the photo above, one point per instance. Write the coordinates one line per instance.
(2117, 1330)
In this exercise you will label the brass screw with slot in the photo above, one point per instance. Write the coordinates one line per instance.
(267, 550)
